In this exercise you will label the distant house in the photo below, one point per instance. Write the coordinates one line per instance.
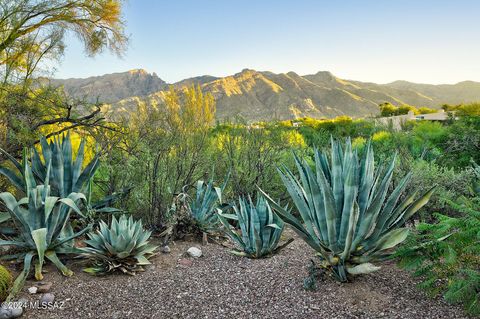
(397, 121)
(439, 116)
(296, 123)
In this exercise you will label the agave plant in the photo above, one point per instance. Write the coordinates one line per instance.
(67, 174)
(123, 246)
(42, 224)
(5, 230)
(260, 228)
(206, 205)
(345, 214)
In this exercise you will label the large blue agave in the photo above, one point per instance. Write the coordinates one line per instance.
(344, 211)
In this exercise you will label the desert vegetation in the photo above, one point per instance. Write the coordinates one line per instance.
(353, 195)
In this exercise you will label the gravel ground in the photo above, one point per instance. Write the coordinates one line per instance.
(220, 285)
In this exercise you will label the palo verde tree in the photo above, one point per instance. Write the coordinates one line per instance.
(32, 33)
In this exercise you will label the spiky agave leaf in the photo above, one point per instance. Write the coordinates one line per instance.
(205, 205)
(123, 246)
(67, 175)
(260, 228)
(39, 220)
(346, 212)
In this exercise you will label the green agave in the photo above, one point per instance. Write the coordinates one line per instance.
(123, 246)
(345, 214)
(66, 175)
(42, 224)
(260, 228)
(206, 204)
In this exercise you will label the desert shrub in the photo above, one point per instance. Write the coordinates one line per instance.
(446, 255)
(250, 156)
(462, 142)
(163, 149)
(388, 109)
(451, 183)
(5, 283)
(426, 110)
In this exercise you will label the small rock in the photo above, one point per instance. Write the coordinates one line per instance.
(9, 313)
(194, 252)
(32, 290)
(165, 249)
(47, 298)
(16, 312)
(44, 287)
(185, 262)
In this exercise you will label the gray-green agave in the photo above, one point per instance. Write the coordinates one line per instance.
(345, 214)
(42, 225)
(206, 205)
(67, 174)
(260, 228)
(123, 246)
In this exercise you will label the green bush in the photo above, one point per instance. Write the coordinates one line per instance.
(451, 184)
(446, 255)
(5, 283)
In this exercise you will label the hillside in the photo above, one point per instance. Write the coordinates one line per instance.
(255, 95)
(113, 87)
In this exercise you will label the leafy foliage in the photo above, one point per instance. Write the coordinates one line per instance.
(121, 247)
(260, 228)
(5, 282)
(345, 214)
(32, 34)
(388, 109)
(42, 225)
(446, 255)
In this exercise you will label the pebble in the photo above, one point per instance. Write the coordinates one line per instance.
(194, 252)
(32, 290)
(47, 298)
(9, 313)
(165, 249)
(44, 287)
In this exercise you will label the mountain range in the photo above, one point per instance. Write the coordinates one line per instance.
(263, 95)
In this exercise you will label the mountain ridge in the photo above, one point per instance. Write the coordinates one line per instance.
(264, 95)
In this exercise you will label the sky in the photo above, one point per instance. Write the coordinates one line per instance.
(427, 41)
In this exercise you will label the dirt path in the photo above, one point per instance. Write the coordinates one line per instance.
(220, 285)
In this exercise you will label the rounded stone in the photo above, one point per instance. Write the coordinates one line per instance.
(47, 298)
(32, 290)
(165, 249)
(194, 252)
